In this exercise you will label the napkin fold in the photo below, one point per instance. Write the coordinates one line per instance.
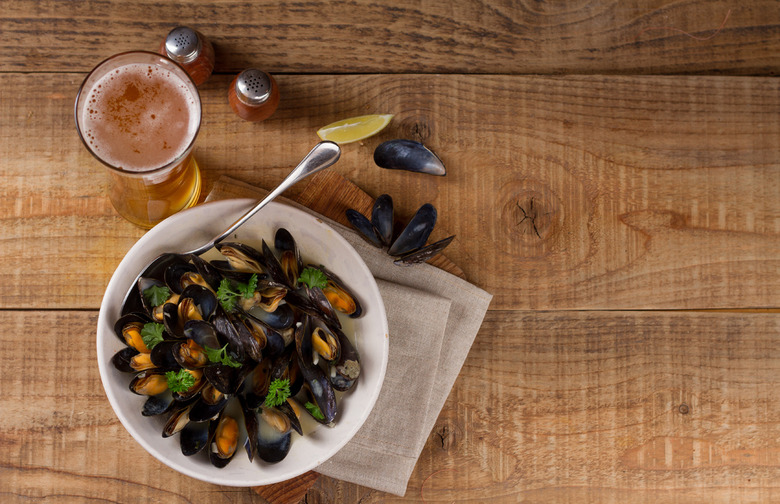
(433, 317)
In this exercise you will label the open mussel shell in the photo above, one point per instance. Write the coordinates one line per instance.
(151, 382)
(344, 373)
(128, 329)
(325, 343)
(270, 341)
(273, 267)
(192, 393)
(143, 285)
(340, 297)
(416, 233)
(180, 275)
(382, 218)
(210, 274)
(408, 155)
(290, 256)
(123, 358)
(424, 253)
(320, 389)
(295, 421)
(162, 356)
(281, 318)
(195, 303)
(322, 307)
(251, 341)
(199, 334)
(274, 435)
(209, 404)
(242, 257)
(178, 418)
(255, 387)
(135, 301)
(193, 437)
(224, 433)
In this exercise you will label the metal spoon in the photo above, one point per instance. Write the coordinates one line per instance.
(323, 155)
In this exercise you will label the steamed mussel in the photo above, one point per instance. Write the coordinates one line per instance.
(409, 246)
(235, 351)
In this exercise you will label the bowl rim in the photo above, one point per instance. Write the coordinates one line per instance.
(212, 211)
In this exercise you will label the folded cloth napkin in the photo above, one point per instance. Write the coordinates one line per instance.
(423, 304)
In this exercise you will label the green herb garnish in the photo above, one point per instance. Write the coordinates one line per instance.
(314, 410)
(220, 356)
(278, 392)
(229, 291)
(157, 295)
(179, 381)
(313, 278)
(152, 334)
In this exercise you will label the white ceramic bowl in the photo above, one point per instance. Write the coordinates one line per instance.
(319, 244)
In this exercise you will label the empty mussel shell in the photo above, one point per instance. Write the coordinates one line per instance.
(382, 218)
(416, 233)
(423, 254)
(408, 155)
(364, 227)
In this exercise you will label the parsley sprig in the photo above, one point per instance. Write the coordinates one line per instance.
(278, 392)
(229, 292)
(314, 410)
(220, 356)
(179, 381)
(313, 277)
(152, 334)
(157, 295)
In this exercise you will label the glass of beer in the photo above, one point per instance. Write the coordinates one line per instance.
(139, 113)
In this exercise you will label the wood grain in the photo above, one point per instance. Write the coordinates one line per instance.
(609, 407)
(405, 36)
(593, 193)
(667, 407)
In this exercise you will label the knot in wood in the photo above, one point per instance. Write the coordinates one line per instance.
(684, 409)
(531, 216)
(444, 436)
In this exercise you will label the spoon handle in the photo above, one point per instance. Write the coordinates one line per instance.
(323, 155)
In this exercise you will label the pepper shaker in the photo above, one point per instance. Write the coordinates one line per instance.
(191, 50)
(253, 95)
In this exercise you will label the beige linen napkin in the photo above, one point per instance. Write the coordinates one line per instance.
(423, 304)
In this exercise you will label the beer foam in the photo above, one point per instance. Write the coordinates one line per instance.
(140, 117)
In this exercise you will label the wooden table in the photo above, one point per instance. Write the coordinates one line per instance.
(613, 181)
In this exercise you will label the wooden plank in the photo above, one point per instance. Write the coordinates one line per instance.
(60, 437)
(610, 407)
(564, 192)
(437, 36)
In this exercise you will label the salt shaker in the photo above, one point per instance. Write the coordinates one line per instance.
(253, 95)
(191, 50)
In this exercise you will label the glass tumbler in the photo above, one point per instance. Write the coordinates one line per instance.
(139, 113)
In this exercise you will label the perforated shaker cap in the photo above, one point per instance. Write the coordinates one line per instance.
(182, 44)
(253, 87)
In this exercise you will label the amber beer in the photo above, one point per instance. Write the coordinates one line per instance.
(139, 114)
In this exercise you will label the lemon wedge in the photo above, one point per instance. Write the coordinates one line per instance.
(354, 128)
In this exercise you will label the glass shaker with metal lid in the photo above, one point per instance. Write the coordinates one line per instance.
(253, 95)
(192, 50)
